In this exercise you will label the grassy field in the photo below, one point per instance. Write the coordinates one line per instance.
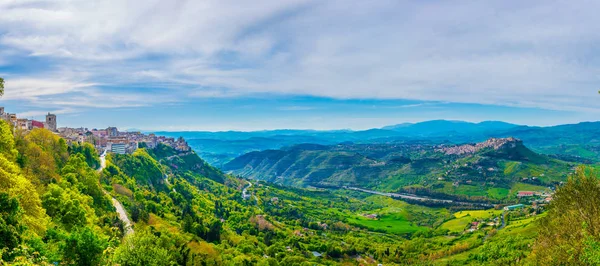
(466, 190)
(464, 218)
(478, 214)
(498, 193)
(524, 222)
(396, 216)
(470, 190)
(511, 167)
(516, 187)
(458, 224)
(391, 223)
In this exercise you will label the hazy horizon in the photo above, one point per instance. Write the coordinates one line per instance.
(350, 129)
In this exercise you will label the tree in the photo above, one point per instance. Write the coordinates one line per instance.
(142, 248)
(572, 228)
(506, 251)
(84, 248)
(17, 185)
(45, 153)
(66, 206)
(1, 87)
(7, 141)
(10, 227)
(88, 150)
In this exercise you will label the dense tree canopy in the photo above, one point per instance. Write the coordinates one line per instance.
(10, 225)
(143, 248)
(570, 235)
(185, 212)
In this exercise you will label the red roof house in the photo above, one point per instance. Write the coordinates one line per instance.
(37, 124)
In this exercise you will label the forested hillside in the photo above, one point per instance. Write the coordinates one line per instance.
(53, 208)
(57, 208)
(491, 170)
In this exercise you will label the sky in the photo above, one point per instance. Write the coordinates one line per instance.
(304, 64)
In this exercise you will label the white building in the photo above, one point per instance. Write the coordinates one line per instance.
(118, 148)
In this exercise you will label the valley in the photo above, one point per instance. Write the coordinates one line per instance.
(299, 133)
(492, 172)
(340, 204)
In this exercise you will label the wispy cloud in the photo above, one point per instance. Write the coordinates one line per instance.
(527, 54)
(39, 113)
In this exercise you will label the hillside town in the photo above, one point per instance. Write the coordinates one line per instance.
(109, 139)
(493, 143)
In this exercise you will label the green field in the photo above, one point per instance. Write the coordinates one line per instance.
(458, 224)
(478, 214)
(395, 216)
(498, 193)
(516, 187)
(464, 218)
(391, 223)
(511, 167)
(524, 222)
(466, 190)
(470, 190)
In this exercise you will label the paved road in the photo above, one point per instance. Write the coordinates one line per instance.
(245, 194)
(418, 198)
(167, 180)
(102, 161)
(178, 155)
(123, 216)
(120, 210)
(168, 183)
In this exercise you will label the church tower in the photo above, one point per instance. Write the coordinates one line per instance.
(51, 122)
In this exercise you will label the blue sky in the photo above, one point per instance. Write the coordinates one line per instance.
(251, 65)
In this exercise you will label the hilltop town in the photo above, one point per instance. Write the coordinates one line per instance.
(109, 139)
(492, 143)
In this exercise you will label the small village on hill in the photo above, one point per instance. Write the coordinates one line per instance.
(109, 139)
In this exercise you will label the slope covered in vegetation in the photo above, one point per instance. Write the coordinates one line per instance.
(56, 208)
(483, 171)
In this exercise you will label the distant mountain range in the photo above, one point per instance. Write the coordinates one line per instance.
(573, 142)
(444, 126)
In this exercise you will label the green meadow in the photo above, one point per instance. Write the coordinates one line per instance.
(395, 223)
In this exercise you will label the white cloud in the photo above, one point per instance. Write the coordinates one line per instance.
(533, 54)
(42, 113)
(31, 88)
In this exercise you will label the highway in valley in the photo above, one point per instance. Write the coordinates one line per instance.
(418, 198)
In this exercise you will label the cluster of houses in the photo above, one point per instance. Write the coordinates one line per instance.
(112, 140)
(535, 196)
(28, 124)
(109, 139)
(371, 216)
(477, 225)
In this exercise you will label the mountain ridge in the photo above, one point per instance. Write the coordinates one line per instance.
(394, 167)
(573, 140)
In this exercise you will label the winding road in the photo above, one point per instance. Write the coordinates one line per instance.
(245, 194)
(120, 210)
(503, 220)
(168, 183)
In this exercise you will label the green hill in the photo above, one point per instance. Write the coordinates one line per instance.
(486, 170)
(57, 208)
